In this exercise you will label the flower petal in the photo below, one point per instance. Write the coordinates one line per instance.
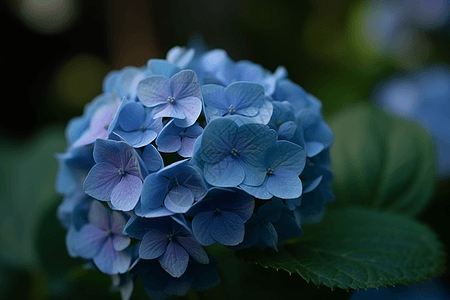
(99, 216)
(120, 242)
(101, 180)
(175, 260)
(185, 84)
(227, 228)
(110, 261)
(191, 107)
(153, 192)
(126, 193)
(168, 110)
(284, 184)
(89, 241)
(243, 94)
(195, 250)
(218, 138)
(131, 116)
(154, 90)
(154, 244)
(226, 173)
(200, 227)
(179, 199)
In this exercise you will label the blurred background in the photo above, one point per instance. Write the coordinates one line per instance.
(54, 55)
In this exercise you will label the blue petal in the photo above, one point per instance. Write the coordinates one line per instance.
(169, 139)
(193, 131)
(153, 245)
(226, 173)
(126, 193)
(243, 94)
(98, 215)
(155, 213)
(187, 147)
(117, 222)
(152, 159)
(185, 84)
(175, 260)
(241, 205)
(218, 139)
(110, 261)
(287, 130)
(89, 241)
(191, 107)
(131, 116)
(101, 180)
(214, 96)
(168, 110)
(285, 184)
(120, 242)
(259, 192)
(286, 155)
(180, 56)
(179, 199)
(154, 90)
(195, 250)
(269, 235)
(227, 228)
(264, 112)
(313, 148)
(271, 211)
(137, 227)
(162, 67)
(200, 227)
(153, 192)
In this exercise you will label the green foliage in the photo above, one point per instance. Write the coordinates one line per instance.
(381, 161)
(358, 248)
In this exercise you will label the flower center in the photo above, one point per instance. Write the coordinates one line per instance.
(182, 134)
(170, 99)
(121, 171)
(234, 152)
(279, 122)
(143, 127)
(170, 236)
(231, 109)
(217, 211)
(270, 171)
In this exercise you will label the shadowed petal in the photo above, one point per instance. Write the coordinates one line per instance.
(109, 261)
(175, 260)
(195, 250)
(227, 228)
(117, 222)
(120, 242)
(153, 192)
(99, 216)
(131, 116)
(200, 227)
(89, 241)
(153, 244)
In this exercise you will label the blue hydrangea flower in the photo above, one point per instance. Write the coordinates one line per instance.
(159, 285)
(167, 240)
(136, 125)
(178, 97)
(171, 190)
(102, 240)
(261, 230)
(178, 139)
(94, 123)
(423, 96)
(283, 162)
(180, 56)
(116, 176)
(124, 82)
(233, 154)
(283, 120)
(218, 68)
(220, 216)
(239, 98)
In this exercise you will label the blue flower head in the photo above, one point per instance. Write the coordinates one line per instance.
(116, 177)
(168, 240)
(233, 154)
(178, 97)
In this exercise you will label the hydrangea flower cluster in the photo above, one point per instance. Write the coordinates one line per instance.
(246, 162)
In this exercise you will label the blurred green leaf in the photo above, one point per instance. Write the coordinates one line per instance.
(27, 173)
(358, 248)
(381, 161)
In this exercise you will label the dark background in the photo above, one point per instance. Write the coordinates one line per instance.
(49, 73)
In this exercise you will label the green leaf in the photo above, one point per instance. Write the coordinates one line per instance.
(358, 248)
(381, 161)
